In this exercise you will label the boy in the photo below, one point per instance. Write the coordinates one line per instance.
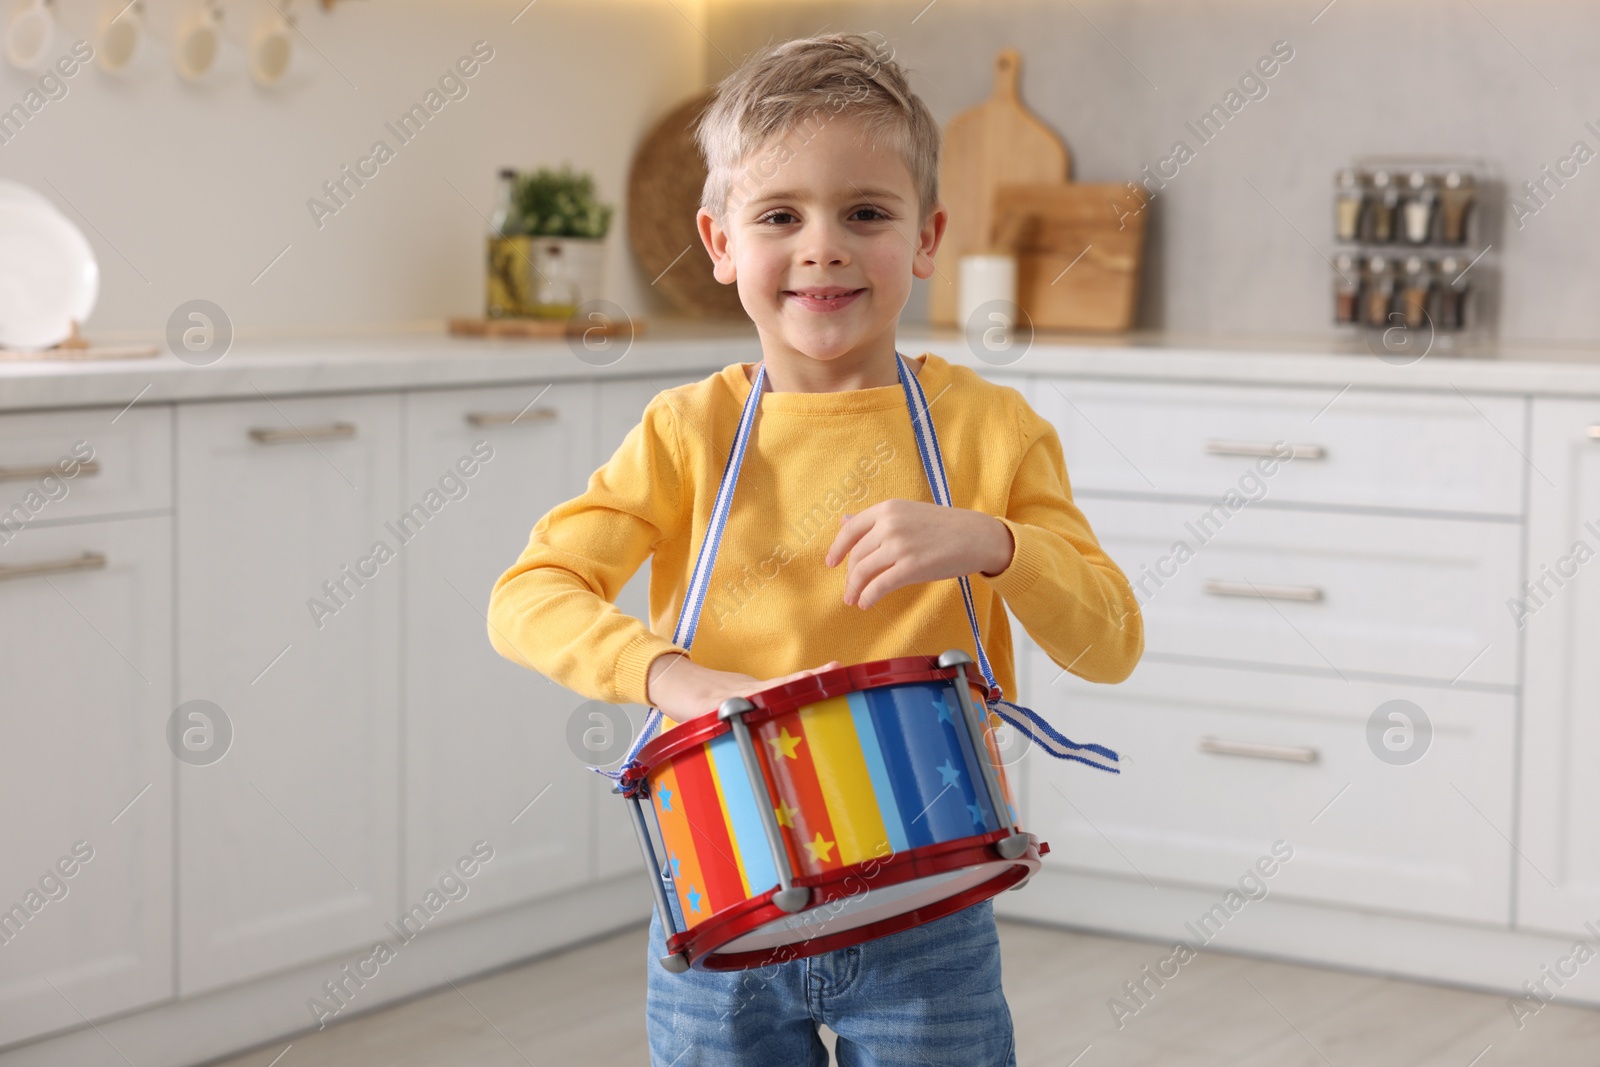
(821, 204)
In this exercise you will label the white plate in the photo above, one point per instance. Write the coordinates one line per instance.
(48, 275)
(15, 191)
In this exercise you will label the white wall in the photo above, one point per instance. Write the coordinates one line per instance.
(191, 192)
(1370, 76)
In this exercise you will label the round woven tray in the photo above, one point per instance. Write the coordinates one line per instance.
(664, 187)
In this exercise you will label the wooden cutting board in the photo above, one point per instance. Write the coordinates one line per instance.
(468, 327)
(999, 141)
(664, 185)
(1079, 250)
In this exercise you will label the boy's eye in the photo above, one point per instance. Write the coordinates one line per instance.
(782, 217)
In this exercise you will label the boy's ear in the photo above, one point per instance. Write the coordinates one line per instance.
(928, 240)
(716, 240)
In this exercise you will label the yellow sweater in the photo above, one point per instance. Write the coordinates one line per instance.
(773, 607)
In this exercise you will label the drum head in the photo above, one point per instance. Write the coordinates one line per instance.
(903, 892)
(860, 910)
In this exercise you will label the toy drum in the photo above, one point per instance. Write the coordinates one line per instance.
(826, 812)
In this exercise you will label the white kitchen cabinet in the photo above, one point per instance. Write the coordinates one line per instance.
(622, 402)
(1217, 764)
(486, 755)
(1341, 592)
(289, 622)
(1352, 447)
(87, 664)
(1558, 886)
(374, 744)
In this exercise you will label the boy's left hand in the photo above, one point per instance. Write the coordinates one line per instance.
(896, 543)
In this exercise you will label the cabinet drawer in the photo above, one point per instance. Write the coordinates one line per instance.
(1420, 451)
(1382, 594)
(73, 464)
(1422, 837)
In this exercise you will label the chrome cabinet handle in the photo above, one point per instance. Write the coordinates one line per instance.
(1259, 750)
(506, 418)
(1594, 432)
(28, 474)
(89, 561)
(1255, 448)
(312, 433)
(1217, 587)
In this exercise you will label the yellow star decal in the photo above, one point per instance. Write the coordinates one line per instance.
(820, 850)
(785, 743)
(786, 814)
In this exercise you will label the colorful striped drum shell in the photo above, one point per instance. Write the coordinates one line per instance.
(863, 775)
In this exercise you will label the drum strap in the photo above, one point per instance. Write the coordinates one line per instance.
(1023, 719)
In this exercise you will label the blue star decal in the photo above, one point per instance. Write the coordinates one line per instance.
(694, 900)
(977, 814)
(944, 709)
(949, 773)
(672, 857)
(666, 799)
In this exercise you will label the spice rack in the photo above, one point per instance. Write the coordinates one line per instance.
(1414, 264)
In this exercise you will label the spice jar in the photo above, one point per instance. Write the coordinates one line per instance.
(1414, 293)
(1455, 204)
(1454, 290)
(1381, 209)
(556, 295)
(1349, 205)
(1379, 300)
(1346, 289)
(1417, 213)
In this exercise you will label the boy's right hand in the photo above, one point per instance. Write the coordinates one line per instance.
(682, 688)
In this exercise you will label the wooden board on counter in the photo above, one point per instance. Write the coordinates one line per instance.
(998, 141)
(83, 352)
(533, 328)
(1079, 246)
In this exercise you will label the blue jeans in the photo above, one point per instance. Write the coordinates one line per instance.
(925, 997)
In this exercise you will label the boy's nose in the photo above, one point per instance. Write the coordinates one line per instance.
(823, 243)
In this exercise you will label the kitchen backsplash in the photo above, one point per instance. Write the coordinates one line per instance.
(1242, 215)
(202, 192)
(223, 192)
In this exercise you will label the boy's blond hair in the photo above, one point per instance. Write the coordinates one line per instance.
(786, 93)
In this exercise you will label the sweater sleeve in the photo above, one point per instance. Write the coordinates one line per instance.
(555, 609)
(1074, 602)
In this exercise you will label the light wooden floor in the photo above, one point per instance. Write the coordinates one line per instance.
(587, 1006)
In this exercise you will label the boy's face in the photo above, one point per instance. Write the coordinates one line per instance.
(823, 238)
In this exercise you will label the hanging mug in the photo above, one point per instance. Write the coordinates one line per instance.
(198, 44)
(121, 34)
(272, 49)
(29, 34)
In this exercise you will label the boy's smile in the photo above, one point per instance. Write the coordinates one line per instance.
(822, 236)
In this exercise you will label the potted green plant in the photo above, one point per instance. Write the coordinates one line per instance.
(567, 225)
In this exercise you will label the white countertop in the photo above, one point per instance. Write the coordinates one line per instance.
(420, 360)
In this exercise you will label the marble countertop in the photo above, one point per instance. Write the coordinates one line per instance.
(380, 362)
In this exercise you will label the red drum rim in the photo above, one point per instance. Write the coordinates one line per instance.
(799, 693)
(699, 944)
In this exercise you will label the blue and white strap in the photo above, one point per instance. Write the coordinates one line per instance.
(1028, 722)
(700, 580)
